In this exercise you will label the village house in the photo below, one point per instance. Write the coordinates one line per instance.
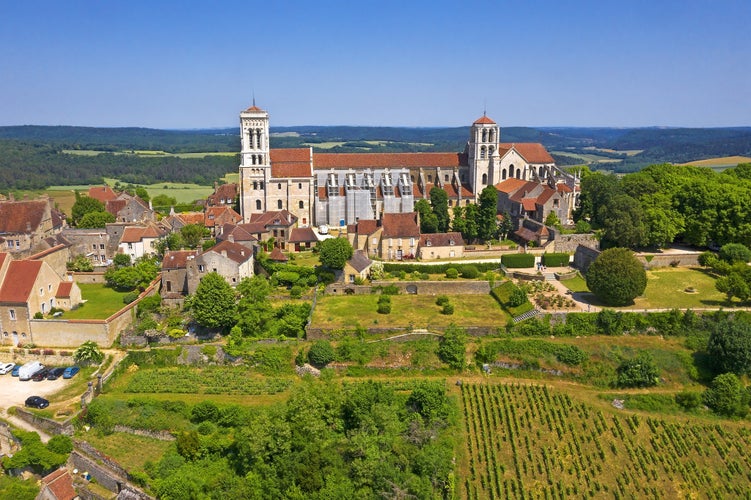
(94, 244)
(365, 235)
(215, 217)
(238, 233)
(24, 225)
(232, 261)
(441, 246)
(57, 485)
(175, 285)
(140, 241)
(226, 194)
(533, 200)
(28, 287)
(400, 235)
(125, 207)
(357, 268)
(276, 224)
(302, 238)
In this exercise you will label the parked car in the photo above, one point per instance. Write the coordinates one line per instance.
(28, 370)
(14, 371)
(40, 375)
(37, 402)
(6, 367)
(70, 371)
(55, 373)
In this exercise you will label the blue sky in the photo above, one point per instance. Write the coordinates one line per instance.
(193, 64)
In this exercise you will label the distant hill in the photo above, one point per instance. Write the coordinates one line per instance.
(37, 156)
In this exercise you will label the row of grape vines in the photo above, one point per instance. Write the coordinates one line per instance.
(529, 442)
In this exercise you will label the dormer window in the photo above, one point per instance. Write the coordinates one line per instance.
(428, 243)
(451, 242)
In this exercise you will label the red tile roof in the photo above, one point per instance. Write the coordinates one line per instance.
(191, 217)
(254, 109)
(3, 256)
(302, 235)
(400, 225)
(178, 259)
(19, 281)
(223, 213)
(294, 162)
(387, 160)
(60, 485)
(102, 193)
(114, 206)
(132, 234)
(21, 216)
(63, 289)
(240, 232)
(510, 185)
(366, 226)
(283, 218)
(277, 255)
(484, 120)
(533, 152)
(235, 251)
(563, 188)
(221, 193)
(529, 204)
(441, 239)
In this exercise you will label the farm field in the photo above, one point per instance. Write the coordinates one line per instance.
(720, 163)
(147, 153)
(587, 158)
(418, 311)
(533, 441)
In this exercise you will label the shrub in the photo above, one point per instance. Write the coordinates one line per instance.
(38, 315)
(555, 259)
(517, 297)
(688, 400)
(295, 292)
(441, 300)
(616, 277)
(448, 309)
(390, 290)
(640, 371)
(204, 411)
(727, 396)
(452, 273)
(735, 252)
(321, 354)
(518, 260)
(129, 297)
(384, 308)
(470, 272)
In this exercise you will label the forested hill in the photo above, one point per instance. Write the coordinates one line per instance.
(40, 156)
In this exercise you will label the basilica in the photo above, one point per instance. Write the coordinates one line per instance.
(338, 189)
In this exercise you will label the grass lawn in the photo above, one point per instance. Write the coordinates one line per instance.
(128, 450)
(101, 302)
(666, 288)
(576, 284)
(420, 311)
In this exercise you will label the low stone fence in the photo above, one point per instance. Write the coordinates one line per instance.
(103, 476)
(158, 435)
(652, 261)
(88, 278)
(567, 275)
(48, 357)
(47, 425)
(448, 287)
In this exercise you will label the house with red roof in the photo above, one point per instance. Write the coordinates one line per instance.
(215, 217)
(128, 208)
(365, 235)
(28, 287)
(24, 225)
(441, 246)
(400, 236)
(276, 224)
(226, 194)
(230, 260)
(338, 189)
(244, 234)
(57, 485)
(533, 200)
(140, 241)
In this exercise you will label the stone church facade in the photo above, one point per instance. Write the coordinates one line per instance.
(337, 189)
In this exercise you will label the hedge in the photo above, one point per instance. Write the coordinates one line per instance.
(518, 260)
(555, 259)
(502, 294)
(438, 268)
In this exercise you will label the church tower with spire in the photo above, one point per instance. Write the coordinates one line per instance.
(255, 163)
(482, 153)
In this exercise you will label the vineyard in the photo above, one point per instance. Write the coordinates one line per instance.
(527, 441)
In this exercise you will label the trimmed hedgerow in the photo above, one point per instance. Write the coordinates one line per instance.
(555, 259)
(503, 294)
(518, 260)
(439, 268)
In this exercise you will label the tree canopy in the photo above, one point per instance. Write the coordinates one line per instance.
(213, 303)
(616, 277)
(335, 252)
(729, 346)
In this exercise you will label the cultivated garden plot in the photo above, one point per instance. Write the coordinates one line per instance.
(529, 441)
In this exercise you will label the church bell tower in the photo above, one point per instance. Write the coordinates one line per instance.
(255, 164)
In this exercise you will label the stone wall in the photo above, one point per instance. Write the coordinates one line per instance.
(88, 278)
(567, 243)
(665, 260)
(48, 357)
(402, 333)
(47, 425)
(103, 476)
(583, 257)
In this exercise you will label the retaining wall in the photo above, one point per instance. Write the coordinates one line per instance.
(665, 260)
(47, 425)
(448, 287)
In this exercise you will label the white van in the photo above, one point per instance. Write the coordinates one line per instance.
(29, 369)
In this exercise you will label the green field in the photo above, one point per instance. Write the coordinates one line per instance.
(147, 153)
(587, 158)
(418, 311)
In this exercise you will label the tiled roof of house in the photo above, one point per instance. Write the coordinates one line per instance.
(63, 289)
(132, 234)
(563, 188)
(302, 235)
(221, 193)
(102, 193)
(529, 204)
(178, 259)
(234, 251)
(191, 217)
(238, 232)
(277, 256)
(360, 261)
(293, 162)
(366, 226)
(60, 484)
(19, 281)
(400, 225)
(510, 185)
(484, 120)
(283, 218)
(441, 239)
(3, 257)
(58, 218)
(22, 216)
(114, 206)
(223, 213)
(387, 160)
(533, 152)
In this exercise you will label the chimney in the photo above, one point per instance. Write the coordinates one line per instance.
(231, 238)
(224, 253)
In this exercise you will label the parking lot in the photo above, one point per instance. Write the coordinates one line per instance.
(13, 392)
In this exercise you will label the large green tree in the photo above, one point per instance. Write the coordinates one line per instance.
(439, 202)
(84, 205)
(95, 220)
(213, 303)
(191, 234)
(487, 216)
(335, 252)
(428, 220)
(616, 277)
(727, 396)
(729, 346)
(453, 347)
(254, 309)
(622, 222)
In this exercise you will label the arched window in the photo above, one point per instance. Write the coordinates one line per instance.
(299, 185)
(258, 204)
(279, 186)
(484, 178)
(484, 135)
(482, 152)
(518, 173)
(255, 184)
(302, 204)
(279, 204)
(492, 133)
(503, 174)
(542, 172)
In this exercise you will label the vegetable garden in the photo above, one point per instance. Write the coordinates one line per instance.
(528, 441)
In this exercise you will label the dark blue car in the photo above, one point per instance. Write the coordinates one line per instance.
(70, 371)
(14, 372)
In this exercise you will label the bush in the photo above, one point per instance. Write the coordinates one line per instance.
(470, 272)
(518, 260)
(204, 411)
(555, 259)
(441, 300)
(295, 292)
(384, 308)
(390, 290)
(129, 297)
(38, 315)
(735, 252)
(727, 396)
(640, 371)
(448, 309)
(517, 297)
(688, 400)
(452, 273)
(321, 354)
(616, 277)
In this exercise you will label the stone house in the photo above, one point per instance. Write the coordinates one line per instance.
(358, 267)
(276, 224)
(238, 233)
(57, 485)
(230, 260)
(176, 221)
(400, 236)
(215, 217)
(441, 246)
(24, 225)
(93, 243)
(365, 235)
(139, 241)
(175, 273)
(226, 194)
(28, 287)
(532, 200)
(302, 238)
